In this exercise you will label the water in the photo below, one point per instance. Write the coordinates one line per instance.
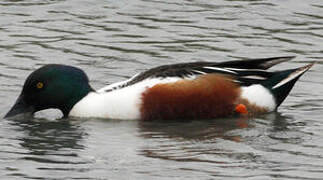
(112, 40)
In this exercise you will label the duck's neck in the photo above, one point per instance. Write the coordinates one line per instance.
(77, 94)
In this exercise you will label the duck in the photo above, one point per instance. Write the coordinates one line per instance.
(182, 91)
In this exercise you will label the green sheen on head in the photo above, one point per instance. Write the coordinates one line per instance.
(52, 86)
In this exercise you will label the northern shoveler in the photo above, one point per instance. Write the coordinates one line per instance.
(197, 90)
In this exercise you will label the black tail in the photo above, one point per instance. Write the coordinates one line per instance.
(283, 81)
(264, 63)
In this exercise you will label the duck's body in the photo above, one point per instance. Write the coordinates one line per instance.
(174, 98)
(181, 91)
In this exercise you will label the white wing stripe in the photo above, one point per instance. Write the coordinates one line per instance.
(199, 72)
(254, 77)
(117, 84)
(220, 69)
(236, 69)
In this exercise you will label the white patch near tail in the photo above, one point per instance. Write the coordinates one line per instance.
(259, 95)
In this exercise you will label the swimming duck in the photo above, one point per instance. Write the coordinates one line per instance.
(197, 90)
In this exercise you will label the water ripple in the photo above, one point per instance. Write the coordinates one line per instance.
(113, 40)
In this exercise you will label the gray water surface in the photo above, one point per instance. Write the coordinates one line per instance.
(112, 40)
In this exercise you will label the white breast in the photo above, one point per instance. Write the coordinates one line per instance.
(122, 103)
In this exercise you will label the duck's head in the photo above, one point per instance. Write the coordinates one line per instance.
(51, 86)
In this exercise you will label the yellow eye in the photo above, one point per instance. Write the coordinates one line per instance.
(39, 85)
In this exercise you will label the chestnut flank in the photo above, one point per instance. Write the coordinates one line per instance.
(207, 96)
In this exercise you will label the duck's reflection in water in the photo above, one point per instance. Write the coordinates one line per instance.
(214, 141)
(55, 141)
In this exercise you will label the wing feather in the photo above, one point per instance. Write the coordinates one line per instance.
(245, 72)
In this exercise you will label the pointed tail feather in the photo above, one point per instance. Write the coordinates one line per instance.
(264, 63)
(282, 83)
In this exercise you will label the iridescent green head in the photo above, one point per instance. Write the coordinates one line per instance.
(51, 86)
